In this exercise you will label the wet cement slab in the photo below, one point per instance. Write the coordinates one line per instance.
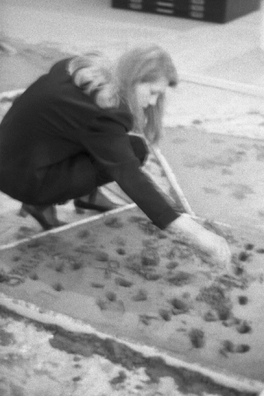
(127, 278)
(221, 176)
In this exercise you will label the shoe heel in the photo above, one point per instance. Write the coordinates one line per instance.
(39, 216)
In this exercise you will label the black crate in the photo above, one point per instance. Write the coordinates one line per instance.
(219, 11)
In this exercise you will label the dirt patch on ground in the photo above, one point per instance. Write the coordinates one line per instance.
(82, 345)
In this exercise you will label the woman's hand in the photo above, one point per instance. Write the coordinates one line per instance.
(212, 245)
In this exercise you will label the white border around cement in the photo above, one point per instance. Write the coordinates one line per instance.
(66, 227)
(33, 312)
(11, 94)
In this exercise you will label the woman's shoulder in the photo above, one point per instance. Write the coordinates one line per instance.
(120, 114)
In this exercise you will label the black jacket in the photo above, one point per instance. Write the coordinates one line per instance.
(54, 120)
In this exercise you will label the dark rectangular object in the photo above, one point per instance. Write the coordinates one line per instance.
(219, 11)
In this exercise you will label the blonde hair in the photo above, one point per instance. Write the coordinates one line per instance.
(143, 65)
(93, 72)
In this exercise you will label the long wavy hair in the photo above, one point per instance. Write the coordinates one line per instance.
(143, 65)
(93, 72)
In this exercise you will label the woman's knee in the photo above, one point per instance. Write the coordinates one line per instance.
(140, 147)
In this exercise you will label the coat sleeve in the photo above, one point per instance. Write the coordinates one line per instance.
(109, 144)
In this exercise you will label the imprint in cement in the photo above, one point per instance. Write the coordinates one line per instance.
(209, 190)
(239, 191)
(227, 158)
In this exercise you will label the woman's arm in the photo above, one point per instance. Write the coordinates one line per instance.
(109, 144)
(213, 246)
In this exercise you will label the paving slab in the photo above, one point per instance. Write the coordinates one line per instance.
(122, 275)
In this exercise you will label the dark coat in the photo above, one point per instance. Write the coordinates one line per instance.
(50, 126)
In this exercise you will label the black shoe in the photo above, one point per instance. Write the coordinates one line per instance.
(79, 204)
(45, 215)
(91, 204)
